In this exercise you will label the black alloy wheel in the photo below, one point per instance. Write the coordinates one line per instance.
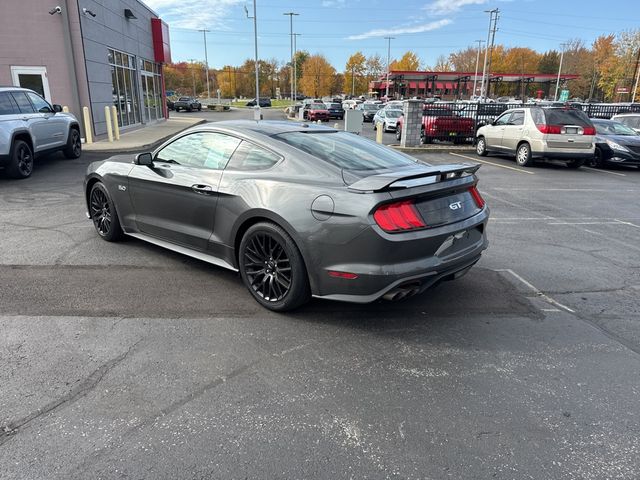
(73, 149)
(103, 214)
(272, 268)
(21, 160)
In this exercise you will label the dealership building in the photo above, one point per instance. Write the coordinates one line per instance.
(88, 53)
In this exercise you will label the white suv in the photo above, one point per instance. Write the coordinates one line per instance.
(29, 125)
(539, 133)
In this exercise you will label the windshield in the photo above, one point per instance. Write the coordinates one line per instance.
(369, 106)
(394, 113)
(613, 128)
(317, 107)
(346, 150)
(633, 122)
(184, 99)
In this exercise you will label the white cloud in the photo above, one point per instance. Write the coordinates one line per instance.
(445, 7)
(196, 13)
(425, 27)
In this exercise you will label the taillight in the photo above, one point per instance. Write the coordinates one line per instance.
(551, 129)
(589, 131)
(347, 275)
(400, 216)
(477, 197)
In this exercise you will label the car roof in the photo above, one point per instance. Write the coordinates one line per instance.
(8, 88)
(265, 127)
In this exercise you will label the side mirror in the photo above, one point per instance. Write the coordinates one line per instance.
(144, 159)
(57, 108)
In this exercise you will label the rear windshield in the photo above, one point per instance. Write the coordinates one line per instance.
(346, 150)
(335, 105)
(317, 106)
(184, 99)
(370, 106)
(565, 116)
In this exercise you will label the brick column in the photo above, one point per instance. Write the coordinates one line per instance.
(412, 123)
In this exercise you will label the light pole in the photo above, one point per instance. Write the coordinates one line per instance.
(206, 60)
(291, 15)
(475, 76)
(555, 97)
(492, 28)
(256, 112)
(386, 94)
(295, 67)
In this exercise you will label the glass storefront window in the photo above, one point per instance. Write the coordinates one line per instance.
(124, 87)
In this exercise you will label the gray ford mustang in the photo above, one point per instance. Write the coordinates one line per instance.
(300, 210)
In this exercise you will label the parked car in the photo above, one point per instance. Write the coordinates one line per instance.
(187, 103)
(440, 122)
(368, 110)
(393, 105)
(631, 120)
(378, 223)
(387, 118)
(264, 102)
(349, 104)
(316, 111)
(540, 133)
(170, 104)
(335, 110)
(616, 144)
(30, 126)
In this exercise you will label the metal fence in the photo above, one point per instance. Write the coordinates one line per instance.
(458, 121)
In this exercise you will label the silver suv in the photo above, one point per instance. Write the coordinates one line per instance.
(30, 126)
(546, 133)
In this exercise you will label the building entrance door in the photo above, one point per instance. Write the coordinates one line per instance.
(34, 78)
(149, 96)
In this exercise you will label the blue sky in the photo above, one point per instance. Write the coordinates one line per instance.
(338, 28)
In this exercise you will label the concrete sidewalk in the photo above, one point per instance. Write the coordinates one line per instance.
(145, 137)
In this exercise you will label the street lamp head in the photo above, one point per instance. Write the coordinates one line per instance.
(56, 9)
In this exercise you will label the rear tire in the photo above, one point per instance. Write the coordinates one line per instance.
(523, 155)
(21, 164)
(272, 268)
(481, 147)
(103, 213)
(73, 149)
(577, 163)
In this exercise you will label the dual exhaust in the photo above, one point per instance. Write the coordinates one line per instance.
(400, 293)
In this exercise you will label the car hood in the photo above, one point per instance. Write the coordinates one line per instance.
(620, 139)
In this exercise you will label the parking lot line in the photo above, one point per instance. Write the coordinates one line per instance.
(537, 291)
(605, 171)
(494, 164)
(626, 223)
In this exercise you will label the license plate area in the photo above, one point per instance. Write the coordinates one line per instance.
(571, 130)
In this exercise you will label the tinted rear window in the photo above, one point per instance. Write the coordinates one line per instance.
(7, 105)
(562, 116)
(23, 102)
(335, 105)
(346, 150)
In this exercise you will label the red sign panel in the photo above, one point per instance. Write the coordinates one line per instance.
(622, 90)
(161, 48)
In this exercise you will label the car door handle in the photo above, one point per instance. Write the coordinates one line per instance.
(202, 189)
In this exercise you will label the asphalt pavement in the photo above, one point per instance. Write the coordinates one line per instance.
(128, 361)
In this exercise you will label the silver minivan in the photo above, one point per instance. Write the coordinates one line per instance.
(532, 133)
(31, 126)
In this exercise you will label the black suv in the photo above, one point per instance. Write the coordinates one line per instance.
(264, 102)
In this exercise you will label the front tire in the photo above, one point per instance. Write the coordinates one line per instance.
(523, 155)
(272, 268)
(481, 147)
(21, 165)
(73, 149)
(103, 213)
(596, 161)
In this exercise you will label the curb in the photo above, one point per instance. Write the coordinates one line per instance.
(146, 145)
(433, 148)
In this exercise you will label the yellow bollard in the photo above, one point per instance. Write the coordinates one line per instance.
(87, 124)
(379, 131)
(65, 109)
(116, 127)
(107, 117)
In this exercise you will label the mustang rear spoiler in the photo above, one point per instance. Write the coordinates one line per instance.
(412, 177)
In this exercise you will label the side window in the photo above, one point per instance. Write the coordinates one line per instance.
(250, 157)
(201, 150)
(24, 105)
(517, 118)
(503, 119)
(40, 103)
(7, 105)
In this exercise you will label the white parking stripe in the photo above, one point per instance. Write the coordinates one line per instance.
(537, 291)
(605, 171)
(493, 164)
(627, 223)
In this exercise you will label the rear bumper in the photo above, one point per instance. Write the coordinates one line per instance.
(540, 149)
(420, 263)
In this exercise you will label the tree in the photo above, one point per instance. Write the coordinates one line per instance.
(408, 62)
(227, 80)
(375, 67)
(549, 62)
(355, 74)
(317, 76)
(442, 64)
(608, 65)
(464, 60)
